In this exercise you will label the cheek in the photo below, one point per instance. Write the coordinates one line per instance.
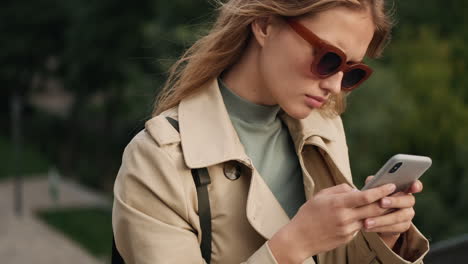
(273, 62)
(286, 84)
(285, 71)
(282, 66)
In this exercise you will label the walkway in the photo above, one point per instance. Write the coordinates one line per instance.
(27, 239)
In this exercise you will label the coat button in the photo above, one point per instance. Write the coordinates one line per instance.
(232, 170)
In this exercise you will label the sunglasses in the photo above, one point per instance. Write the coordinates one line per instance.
(329, 59)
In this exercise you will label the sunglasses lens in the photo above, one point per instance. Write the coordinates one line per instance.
(328, 63)
(352, 77)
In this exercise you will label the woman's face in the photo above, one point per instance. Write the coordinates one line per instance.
(285, 58)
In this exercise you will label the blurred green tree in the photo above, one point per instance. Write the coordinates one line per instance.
(29, 38)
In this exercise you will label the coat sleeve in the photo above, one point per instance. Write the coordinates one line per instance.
(370, 248)
(154, 216)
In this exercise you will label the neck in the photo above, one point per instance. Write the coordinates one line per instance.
(244, 77)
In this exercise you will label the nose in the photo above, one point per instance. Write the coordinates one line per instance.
(332, 84)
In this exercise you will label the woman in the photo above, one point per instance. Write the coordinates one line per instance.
(257, 103)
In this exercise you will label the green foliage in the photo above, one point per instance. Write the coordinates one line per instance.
(89, 227)
(30, 161)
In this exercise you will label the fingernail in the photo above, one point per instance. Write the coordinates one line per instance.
(370, 223)
(386, 202)
(391, 187)
(418, 185)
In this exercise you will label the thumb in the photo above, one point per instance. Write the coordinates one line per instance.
(369, 178)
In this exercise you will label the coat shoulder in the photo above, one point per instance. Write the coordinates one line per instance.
(158, 142)
(161, 130)
(153, 161)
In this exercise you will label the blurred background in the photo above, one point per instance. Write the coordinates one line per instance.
(79, 79)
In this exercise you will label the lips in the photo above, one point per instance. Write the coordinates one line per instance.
(318, 98)
(315, 101)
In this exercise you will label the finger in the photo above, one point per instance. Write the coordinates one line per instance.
(416, 187)
(358, 199)
(357, 226)
(393, 229)
(397, 217)
(369, 178)
(342, 188)
(369, 211)
(399, 194)
(351, 229)
(400, 201)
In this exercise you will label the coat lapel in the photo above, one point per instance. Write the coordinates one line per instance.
(264, 212)
(207, 134)
(325, 133)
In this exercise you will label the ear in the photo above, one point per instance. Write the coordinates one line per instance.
(261, 27)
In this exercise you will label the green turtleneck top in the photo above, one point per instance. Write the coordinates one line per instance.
(267, 142)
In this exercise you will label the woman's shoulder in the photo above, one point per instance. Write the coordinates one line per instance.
(161, 130)
(153, 167)
(157, 140)
(154, 153)
(158, 131)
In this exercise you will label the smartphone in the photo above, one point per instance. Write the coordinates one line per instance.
(402, 170)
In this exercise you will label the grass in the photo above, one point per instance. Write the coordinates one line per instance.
(31, 162)
(89, 227)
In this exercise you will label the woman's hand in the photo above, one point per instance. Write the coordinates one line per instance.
(397, 219)
(328, 220)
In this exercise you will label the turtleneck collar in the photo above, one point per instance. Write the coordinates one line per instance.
(247, 111)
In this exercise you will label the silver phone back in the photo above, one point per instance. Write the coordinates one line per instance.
(411, 168)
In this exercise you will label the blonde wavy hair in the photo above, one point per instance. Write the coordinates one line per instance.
(224, 44)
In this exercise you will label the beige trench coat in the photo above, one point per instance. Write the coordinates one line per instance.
(155, 216)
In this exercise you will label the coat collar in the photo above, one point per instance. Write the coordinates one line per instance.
(208, 136)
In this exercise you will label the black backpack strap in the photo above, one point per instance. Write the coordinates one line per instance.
(202, 180)
(174, 123)
(116, 258)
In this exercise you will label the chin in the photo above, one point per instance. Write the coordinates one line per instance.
(298, 112)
